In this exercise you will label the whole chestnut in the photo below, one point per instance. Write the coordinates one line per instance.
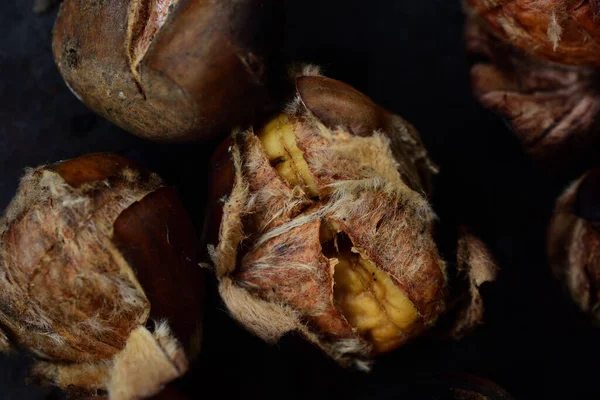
(325, 228)
(98, 277)
(541, 76)
(574, 241)
(166, 70)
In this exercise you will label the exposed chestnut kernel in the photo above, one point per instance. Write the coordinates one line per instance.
(370, 300)
(279, 144)
(326, 228)
(99, 278)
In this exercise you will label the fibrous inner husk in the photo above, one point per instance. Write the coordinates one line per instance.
(68, 295)
(367, 296)
(335, 244)
(146, 18)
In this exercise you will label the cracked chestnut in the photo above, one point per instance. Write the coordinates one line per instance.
(325, 227)
(99, 278)
(166, 70)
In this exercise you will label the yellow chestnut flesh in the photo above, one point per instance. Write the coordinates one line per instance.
(371, 301)
(367, 296)
(279, 143)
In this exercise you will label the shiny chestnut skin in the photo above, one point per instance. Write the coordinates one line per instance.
(167, 70)
(574, 242)
(99, 277)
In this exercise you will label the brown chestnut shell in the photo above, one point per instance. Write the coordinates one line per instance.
(551, 107)
(561, 31)
(98, 258)
(166, 70)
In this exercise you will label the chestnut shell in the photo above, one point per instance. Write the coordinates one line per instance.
(565, 32)
(69, 292)
(199, 73)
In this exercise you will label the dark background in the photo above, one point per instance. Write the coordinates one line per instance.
(408, 56)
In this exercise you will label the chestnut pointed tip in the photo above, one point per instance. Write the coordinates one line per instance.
(336, 103)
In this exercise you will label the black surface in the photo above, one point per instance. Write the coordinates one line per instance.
(407, 55)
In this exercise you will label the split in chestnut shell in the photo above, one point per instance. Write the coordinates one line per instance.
(99, 275)
(326, 228)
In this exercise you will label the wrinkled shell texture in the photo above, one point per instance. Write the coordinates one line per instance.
(552, 108)
(162, 69)
(68, 290)
(61, 272)
(574, 252)
(563, 31)
(274, 275)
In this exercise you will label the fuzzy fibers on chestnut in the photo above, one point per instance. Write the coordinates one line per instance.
(325, 227)
(542, 74)
(563, 31)
(98, 277)
(166, 70)
(574, 241)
